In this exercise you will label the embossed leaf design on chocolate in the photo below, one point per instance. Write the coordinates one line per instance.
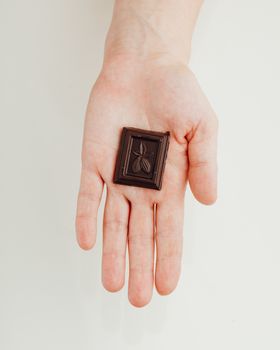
(141, 148)
(136, 166)
(141, 163)
(145, 165)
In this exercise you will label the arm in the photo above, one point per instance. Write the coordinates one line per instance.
(145, 82)
(150, 28)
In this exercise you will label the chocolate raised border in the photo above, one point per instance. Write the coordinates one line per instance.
(141, 158)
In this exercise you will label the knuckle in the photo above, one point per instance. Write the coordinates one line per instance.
(140, 239)
(114, 225)
(87, 196)
(113, 254)
(170, 233)
(200, 163)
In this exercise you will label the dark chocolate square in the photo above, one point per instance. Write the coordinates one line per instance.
(141, 158)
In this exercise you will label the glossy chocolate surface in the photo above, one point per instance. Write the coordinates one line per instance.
(141, 158)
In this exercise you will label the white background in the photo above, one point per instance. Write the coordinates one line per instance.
(51, 297)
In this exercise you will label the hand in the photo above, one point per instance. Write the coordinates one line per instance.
(159, 94)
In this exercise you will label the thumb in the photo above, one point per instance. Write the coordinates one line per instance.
(202, 157)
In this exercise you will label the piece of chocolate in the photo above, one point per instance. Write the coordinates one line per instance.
(141, 158)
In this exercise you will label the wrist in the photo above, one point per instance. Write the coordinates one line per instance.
(151, 29)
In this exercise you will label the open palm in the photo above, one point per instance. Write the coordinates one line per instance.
(158, 97)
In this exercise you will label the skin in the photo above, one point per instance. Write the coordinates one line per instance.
(145, 82)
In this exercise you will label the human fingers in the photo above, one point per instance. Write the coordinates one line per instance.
(141, 253)
(169, 241)
(115, 227)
